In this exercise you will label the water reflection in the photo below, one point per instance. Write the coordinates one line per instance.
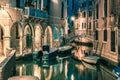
(80, 51)
(65, 69)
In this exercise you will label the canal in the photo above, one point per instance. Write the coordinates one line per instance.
(66, 68)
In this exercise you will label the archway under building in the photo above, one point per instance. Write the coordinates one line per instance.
(56, 37)
(27, 39)
(38, 37)
(16, 34)
(62, 38)
(48, 37)
(1, 41)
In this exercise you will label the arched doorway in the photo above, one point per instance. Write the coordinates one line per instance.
(48, 37)
(16, 33)
(38, 37)
(1, 41)
(27, 39)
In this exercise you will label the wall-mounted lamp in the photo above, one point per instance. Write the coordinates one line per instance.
(73, 18)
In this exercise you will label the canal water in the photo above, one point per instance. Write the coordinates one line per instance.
(66, 68)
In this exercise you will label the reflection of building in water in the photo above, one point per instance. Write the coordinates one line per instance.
(81, 51)
(105, 73)
(24, 69)
(37, 71)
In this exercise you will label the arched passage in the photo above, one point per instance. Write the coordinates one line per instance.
(1, 41)
(38, 37)
(48, 37)
(55, 34)
(16, 33)
(61, 33)
(27, 39)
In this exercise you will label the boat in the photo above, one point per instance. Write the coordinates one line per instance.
(37, 55)
(64, 51)
(116, 72)
(51, 55)
(89, 66)
(91, 59)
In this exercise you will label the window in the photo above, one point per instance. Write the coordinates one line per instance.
(18, 3)
(105, 35)
(62, 10)
(73, 4)
(1, 34)
(48, 6)
(84, 14)
(97, 11)
(83, 25)
(17, 33)
(105, 8)
(90, 25)
(90, 3)
(90, 13)
(28, 41)
(119, 22)
(96, 35)
(28, 3)
(113, 41)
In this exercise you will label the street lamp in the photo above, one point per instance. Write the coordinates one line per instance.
(73, 18)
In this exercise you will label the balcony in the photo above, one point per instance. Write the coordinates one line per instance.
(32, 12)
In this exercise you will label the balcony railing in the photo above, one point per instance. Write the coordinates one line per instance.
(32, 12)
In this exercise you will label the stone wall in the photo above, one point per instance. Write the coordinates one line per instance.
(7, 67)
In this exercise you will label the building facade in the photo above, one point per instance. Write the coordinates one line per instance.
(27, 25)
(106, 29)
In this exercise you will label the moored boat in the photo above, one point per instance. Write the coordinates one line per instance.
(37, 55)
(89, 66)
(116, 72)
(91, 59)
(64, 51)
(49, 55)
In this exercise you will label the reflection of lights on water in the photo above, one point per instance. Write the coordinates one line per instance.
(48, 74)
(80, 67)
(61, 66)
(37, 71)
(66, 69)
(55, 1)
(72, 77)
